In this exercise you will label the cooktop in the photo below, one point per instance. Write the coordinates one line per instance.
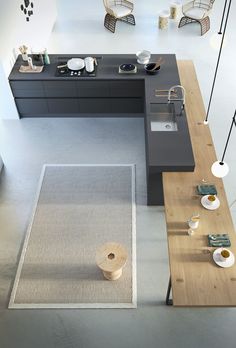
(62, 70)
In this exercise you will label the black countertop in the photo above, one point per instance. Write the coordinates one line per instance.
(167, 151)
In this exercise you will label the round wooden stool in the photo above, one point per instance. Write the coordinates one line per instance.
(111, 258)
(175, 9)
(164, 19)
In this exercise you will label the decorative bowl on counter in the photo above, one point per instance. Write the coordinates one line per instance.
(150, 68)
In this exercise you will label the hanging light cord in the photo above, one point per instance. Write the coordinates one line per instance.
(218, 60)
(227, 141)
(220, 31)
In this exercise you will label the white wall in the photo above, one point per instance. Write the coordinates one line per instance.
(16, 31)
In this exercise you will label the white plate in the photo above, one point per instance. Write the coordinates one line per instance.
(228, 263)
(75, 63)
(206, 205)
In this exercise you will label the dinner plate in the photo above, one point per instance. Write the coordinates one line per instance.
(227, 263)
(208, 206)
(75, 64)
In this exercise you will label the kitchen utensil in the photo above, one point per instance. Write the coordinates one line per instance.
(62, 66)
(75, 64)
(157, 64)
(30, 62)
(89, 64)
(218, 236)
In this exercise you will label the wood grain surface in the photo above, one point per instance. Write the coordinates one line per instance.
(196, 279)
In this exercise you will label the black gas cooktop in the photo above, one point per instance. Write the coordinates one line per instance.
(63, 71)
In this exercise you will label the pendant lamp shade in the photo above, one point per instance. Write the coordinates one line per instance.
(219, 169)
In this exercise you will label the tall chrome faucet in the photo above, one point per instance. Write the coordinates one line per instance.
(177, 99)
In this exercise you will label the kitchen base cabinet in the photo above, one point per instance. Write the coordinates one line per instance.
(79, 98)
(32, 106)
(63, 106)
(127, 105)
(94, 105)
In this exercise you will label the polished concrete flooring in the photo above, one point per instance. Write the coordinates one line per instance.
(27, 144)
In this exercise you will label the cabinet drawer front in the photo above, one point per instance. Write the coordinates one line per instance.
(126, 88)
(94, 105)
(60, 89)
(63, 106)
(27, 89)
(92, 88)
(127, 105)
(32, 106)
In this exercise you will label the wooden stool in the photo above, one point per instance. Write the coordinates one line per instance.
(164, 19)
(175, 9)
(111, 258)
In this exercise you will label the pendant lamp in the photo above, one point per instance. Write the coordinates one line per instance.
(221, 168)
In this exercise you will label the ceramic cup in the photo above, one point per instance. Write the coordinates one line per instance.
(193, 222)
(224, 255)
(143, 57)
(211, 199)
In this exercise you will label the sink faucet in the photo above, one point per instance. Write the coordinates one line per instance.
(177, 99)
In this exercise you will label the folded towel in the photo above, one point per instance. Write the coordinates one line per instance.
(206, 189)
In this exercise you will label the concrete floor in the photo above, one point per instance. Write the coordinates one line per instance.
(34, 142)
(29, 143)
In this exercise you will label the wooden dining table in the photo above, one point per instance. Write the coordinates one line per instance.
(195, 278)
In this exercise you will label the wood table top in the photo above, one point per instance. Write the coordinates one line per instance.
(196, 279)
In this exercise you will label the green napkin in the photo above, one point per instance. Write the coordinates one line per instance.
(219, 240)
(206, 189)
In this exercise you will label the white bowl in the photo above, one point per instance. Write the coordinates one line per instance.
(75, 63)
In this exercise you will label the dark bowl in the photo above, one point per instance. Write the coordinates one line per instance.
(148, 68)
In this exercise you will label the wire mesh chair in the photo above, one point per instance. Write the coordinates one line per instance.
(118, 10)
(197, 11)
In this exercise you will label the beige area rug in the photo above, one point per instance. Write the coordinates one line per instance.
(78, 208)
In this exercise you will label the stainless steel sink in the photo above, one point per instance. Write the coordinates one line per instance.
(163, 117)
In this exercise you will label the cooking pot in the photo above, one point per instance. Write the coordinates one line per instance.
(75, 63)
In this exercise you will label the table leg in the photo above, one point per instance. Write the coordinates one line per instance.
(169, 302)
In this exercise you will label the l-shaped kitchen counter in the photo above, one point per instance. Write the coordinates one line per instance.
(110, 94)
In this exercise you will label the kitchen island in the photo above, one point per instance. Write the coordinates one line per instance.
(110, 94)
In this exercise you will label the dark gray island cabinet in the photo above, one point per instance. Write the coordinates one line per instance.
(63, 98)
(110, 94)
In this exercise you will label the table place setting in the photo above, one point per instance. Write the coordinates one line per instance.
(219, 240)
(223, 257)
(206, 189)
(210, 202)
